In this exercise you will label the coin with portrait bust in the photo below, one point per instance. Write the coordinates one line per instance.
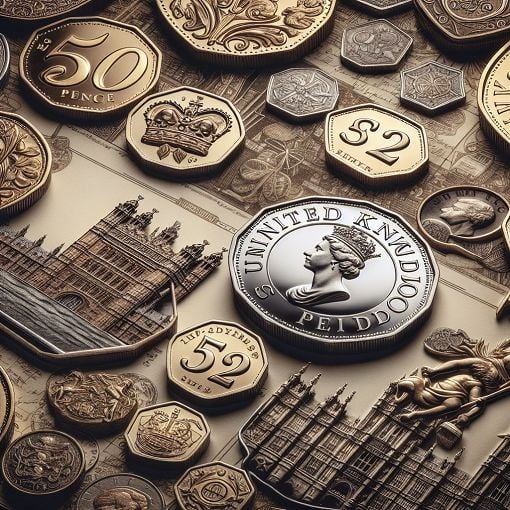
(6, 408)
(28, 11)
(123, 491)
(89, 67)
(332, 279)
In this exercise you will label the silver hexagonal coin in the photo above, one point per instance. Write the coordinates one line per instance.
(382, 7)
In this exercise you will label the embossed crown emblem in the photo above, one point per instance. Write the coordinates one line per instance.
(181, 130)
(356, 240)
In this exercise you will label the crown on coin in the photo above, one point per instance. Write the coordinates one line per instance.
(356, 240)
(190, 128)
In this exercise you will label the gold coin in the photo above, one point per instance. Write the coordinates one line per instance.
(89, 67)
(494, 99)
(216, 364)
(248, 34)
(29, 11)
(6, 408)
(375, 145)
(25, 164)
(184, 133)
(171, 435)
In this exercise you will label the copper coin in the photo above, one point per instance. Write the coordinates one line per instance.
(6, 408)
(25, 164)
(30, 11)
(89, 67)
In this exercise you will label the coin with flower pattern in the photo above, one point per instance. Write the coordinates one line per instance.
(30, 11)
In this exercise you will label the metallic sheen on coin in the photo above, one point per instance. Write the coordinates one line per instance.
(432, 88)
(169, 435)
(43, 463)
(494, 99)
(216, 364)
(6, 408)
(332, 279)
(123, 491)
(374, 47)
(382, 7)
(89, 67)
(248, 34)
(375, 145)
(25, 168)
(30, 11)
(301, 94)
(184, 133)
(5, 58)
(94, 402)
(215, 486)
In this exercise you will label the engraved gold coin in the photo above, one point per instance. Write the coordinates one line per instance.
(184, 133)
(6, 408)
(375, 145)
(25, 164)
(254, 33)
(494, 99)
(29, 11)
(170, 435)
(89, 67)
(216, 364)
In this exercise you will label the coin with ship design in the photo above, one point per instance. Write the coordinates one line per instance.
(216, 365)
(169, 435)
(89, 67)
(184, 133)
(332, 279)
(6, 408)
(123, 491)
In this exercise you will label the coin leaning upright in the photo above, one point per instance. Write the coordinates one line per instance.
(332, 279)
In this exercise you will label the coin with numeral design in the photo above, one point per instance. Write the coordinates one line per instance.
(184, 133)
(375, 145)
(216, 364)
(6, 408)
(89, 67)
(494, 99)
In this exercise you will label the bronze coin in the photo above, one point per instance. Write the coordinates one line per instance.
(6, 408)
(25, 164)
(89, 67)
(30, 11)
(43, 463)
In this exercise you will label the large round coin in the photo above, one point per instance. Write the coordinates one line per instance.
(123, 491)
(5, 58)
(494, 99)
(25, 168)
(6, 408)
(332, 279)
(247, 34)
(89, 67)
(28, 11)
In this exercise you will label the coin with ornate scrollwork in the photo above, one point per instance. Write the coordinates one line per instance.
(123, 491)
(301, 94)
(89, 67)
(5, 58)
(494, 99)
(169, 435)
(25, 164)
(332, 279)
(29, 11)
(215, 486)
(375, 145)
(454, 219)
(374, 47)
(248, 34)
(184, 133)
(6, 408)
(216, 364)
(382, 7)
(44, 463)
(95, 402)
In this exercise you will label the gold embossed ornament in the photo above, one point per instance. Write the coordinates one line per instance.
(248, 33)
(184, 133)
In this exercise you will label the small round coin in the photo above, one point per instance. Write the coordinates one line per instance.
(94, 402)
(44, 463)
(461, 214)
(382, 7)
(214, 486)
(25, 170)
(248, 34)
(494, 99)
(5, 58)
(374, 47)
(123, 491)
(216, 364)
(375, 145)
(332, 279)
(6, 408)
(170, 434)
(184, 133)
(28, 11)
(89, 67)
(432, 88)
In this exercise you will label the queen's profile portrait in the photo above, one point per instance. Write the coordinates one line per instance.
(467, 215)
(340, 255)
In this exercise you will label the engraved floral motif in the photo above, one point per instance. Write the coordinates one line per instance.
(38, 9)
